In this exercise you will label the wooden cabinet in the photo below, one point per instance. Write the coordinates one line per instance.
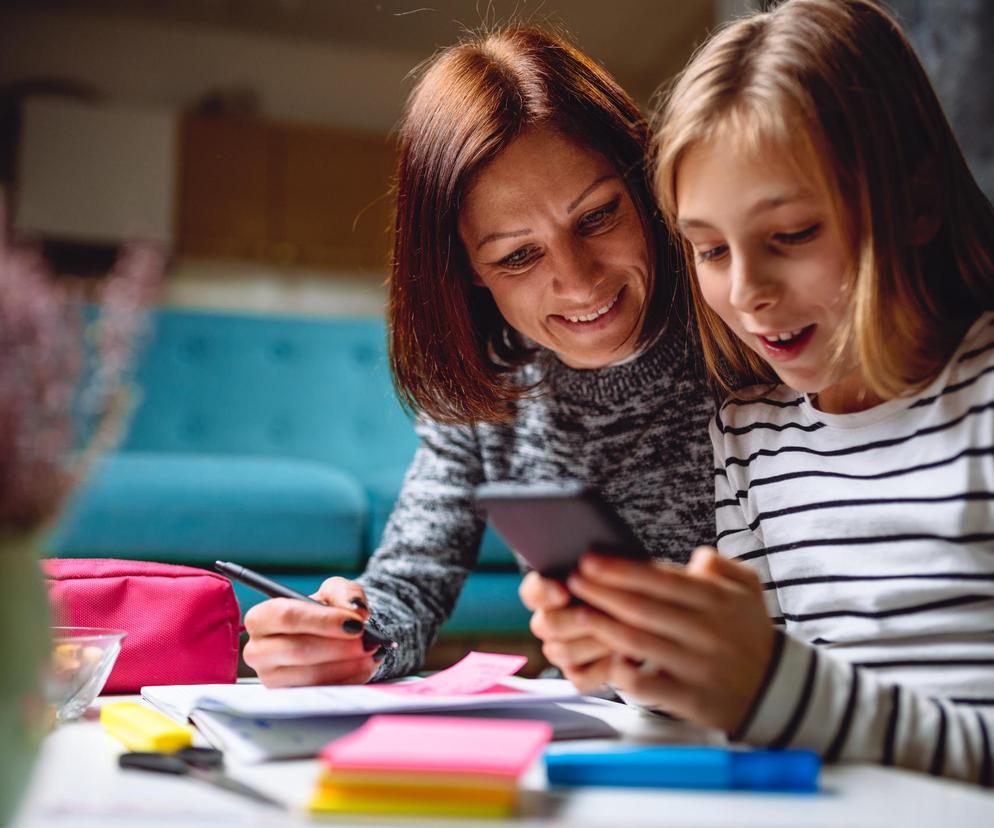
(285, 193)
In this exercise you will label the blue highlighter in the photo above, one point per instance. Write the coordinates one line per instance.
(679, 766)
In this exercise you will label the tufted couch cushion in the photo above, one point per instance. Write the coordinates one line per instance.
(276, 442)
(197, 508)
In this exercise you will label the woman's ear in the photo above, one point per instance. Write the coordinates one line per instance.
(926, 217)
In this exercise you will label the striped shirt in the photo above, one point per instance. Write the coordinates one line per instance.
(873, 534)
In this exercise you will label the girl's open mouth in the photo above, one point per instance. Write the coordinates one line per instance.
(786, 344)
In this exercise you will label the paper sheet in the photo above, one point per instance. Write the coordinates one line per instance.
(256, 701)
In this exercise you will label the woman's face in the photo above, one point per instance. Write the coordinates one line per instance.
(551, 231)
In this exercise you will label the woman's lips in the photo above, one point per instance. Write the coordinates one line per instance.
(600, 322)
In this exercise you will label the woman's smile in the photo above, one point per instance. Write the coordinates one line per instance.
(590, 320)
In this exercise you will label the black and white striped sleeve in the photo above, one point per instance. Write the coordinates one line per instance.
(813, 699)
(735, 537)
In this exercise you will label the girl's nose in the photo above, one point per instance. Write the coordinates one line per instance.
(751, 289)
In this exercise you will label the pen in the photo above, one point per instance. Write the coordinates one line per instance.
(370, 639)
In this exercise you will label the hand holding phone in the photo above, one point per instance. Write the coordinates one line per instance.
(550, 525)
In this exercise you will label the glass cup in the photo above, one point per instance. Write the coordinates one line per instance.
(82, 658)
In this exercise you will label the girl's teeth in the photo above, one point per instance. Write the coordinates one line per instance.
(783, 337)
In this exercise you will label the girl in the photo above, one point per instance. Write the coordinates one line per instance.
(841, 265)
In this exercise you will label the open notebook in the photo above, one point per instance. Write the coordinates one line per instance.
(258, 723)
(258, 740)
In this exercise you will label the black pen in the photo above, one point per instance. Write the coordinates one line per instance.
(370, 640)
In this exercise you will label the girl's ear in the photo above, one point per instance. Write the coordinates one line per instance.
(927, 218)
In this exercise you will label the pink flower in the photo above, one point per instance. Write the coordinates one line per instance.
(62, 379)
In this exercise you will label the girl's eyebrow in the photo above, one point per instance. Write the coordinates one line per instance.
(510, 234)
(763, 205)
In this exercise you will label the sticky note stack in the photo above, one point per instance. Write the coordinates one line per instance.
(429, 765)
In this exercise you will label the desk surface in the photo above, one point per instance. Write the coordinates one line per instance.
(77, 784)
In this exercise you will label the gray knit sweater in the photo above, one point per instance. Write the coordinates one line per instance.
(637, 431)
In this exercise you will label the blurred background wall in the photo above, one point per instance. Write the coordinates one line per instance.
(256, 134)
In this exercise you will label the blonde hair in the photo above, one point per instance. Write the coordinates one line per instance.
(836, 81)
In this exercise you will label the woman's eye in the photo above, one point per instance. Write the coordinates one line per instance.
(801, 236)
(711, 254)
(519, 258)
(600, 216)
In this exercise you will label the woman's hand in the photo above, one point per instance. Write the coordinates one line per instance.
(693, 641)
(294, 643)
(584, 660)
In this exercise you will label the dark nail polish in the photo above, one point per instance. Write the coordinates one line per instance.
(352, 625)
(359, 604)
(380, 654)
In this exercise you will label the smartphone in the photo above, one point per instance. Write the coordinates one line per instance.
(550, 525)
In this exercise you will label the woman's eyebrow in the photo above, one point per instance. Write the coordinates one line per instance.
(510, 234)
(594, 185)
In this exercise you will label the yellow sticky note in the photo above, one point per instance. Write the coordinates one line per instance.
(140, 728)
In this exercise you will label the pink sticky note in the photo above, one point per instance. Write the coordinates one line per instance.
(439, 744)
(475, 673)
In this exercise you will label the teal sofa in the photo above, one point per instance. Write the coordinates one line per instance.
(274, 442)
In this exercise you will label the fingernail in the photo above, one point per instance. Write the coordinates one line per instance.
(358, 603)
(380, 654)
(352, 625)
(590, 563)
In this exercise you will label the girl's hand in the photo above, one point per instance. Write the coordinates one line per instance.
(703, 629)
(294, 643)
(566, 643)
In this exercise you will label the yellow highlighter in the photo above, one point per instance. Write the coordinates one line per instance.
(143, 729)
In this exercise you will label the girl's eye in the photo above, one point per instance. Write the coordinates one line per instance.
(600, 216)
(801, 236)
(519, 258)
(711, 254)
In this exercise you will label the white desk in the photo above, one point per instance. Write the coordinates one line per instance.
(77, 785)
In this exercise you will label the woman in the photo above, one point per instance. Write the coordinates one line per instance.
(535, 328)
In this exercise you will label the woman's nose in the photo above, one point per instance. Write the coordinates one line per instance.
(752, 289)
(576, 273)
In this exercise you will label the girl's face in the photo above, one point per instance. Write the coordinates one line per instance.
(551, 231)
(771, 261)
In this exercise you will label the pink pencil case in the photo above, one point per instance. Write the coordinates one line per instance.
(182, 623)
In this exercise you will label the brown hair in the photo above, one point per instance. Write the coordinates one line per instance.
(452, 353)
(837, 83)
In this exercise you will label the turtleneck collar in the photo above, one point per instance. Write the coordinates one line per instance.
(667, 357)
